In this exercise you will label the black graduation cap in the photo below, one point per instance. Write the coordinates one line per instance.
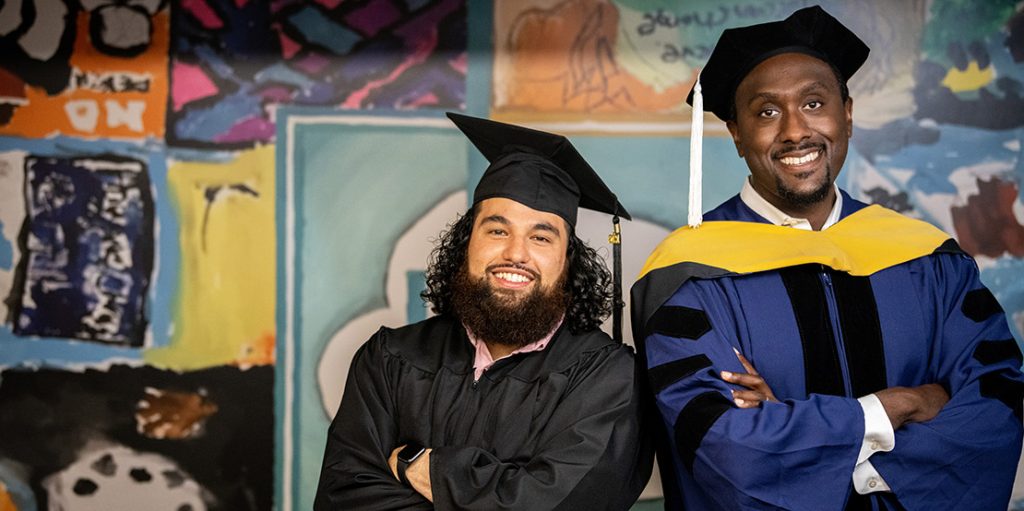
(535, 168)
(811, 31)
(544, 172)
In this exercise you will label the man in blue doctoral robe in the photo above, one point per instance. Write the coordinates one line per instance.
(886, 374)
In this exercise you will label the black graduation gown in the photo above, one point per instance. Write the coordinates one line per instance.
(554, 429)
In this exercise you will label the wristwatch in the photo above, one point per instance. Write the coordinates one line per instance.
(410, 453)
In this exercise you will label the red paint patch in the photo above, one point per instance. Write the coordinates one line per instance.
(986, 225)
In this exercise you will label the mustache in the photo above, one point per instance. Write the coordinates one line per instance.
(533, 273)
(792, 148)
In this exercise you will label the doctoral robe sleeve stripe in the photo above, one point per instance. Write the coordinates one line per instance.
(862, 333)
(822, 372)
(1009, 391)
(666, 374)
(694, 421)
(991, 352)
(679, 321)
(980, 305)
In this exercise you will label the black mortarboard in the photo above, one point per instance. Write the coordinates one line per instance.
(811, 31)
(544, 172)
(537, 169)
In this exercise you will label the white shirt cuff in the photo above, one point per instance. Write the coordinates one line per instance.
(878, 437)
(867, 480)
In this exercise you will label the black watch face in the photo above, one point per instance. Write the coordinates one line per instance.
(410, 452)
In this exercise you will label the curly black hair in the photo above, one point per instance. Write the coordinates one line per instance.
(589, 283)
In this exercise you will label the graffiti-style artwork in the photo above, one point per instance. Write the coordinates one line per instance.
(609, 60)
(584, 59)
(88, 255)
(204, 445)
(225, 310)
(92, 68)
(234, 62)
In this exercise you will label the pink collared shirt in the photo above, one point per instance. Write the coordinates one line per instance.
(484, 361)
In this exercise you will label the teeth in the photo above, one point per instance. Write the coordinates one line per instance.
(512, 277)
(792, 160)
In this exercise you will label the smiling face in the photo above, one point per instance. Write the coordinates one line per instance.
(793, 128)
(516, 249)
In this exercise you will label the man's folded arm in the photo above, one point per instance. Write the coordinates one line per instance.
(355, 472)
(967, 455)
(795, 454)
(591, 455)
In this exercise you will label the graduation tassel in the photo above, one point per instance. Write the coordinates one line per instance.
(695, 214)
(615, 238)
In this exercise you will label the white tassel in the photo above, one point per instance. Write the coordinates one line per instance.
(695, 215)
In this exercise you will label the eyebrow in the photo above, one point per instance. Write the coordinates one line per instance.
(807, 89)
(539, 226)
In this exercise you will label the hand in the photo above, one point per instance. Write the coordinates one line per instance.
(418, 472)
(759, 389)
(912, 404)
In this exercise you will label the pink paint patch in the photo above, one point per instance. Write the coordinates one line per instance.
(241, 3)
(288, 46)
(312, 63)
(202, 12)
(422, 51)
(460, 63)
(189, 83)
(371, 18)
(330, 4)
(428, 99)
(276, 94)
(247, 130)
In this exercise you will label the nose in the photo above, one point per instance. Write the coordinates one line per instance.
(794, 127)
(516, 249)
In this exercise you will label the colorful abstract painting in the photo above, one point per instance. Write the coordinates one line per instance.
(90, 68)
(234, 62)
(87, 257)
(137, 437)
(356, 226)
(224, 310)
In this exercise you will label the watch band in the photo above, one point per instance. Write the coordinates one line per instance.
(406, 457)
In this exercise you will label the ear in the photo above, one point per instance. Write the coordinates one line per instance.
(849, 117)
(735, 132)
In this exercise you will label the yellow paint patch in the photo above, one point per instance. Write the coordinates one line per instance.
(863, 243)
(972, 78)
(225, 308)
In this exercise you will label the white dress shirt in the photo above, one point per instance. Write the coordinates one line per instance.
(878, 433)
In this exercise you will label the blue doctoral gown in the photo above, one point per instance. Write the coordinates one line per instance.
(821, 338)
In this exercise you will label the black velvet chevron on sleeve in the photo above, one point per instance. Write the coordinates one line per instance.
(679, 321)
(694, 421)
(980, 305)
(666, 374)
(991, 352)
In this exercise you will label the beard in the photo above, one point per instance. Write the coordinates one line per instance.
(509, 319)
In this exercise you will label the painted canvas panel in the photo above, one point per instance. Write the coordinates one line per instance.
(91, 68)
(137, 438)
(88, 255)
(233, 63)
(224, 303)
(630, 64)
(361, 199)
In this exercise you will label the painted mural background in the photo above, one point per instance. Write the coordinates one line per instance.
(207, 205)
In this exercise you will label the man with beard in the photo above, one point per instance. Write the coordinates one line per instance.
(887, 377)
(510, 397)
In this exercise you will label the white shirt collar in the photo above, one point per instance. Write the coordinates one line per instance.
(762, 207)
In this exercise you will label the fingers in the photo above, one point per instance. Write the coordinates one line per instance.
(751, 381)
(748, 398)
(746, 363)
